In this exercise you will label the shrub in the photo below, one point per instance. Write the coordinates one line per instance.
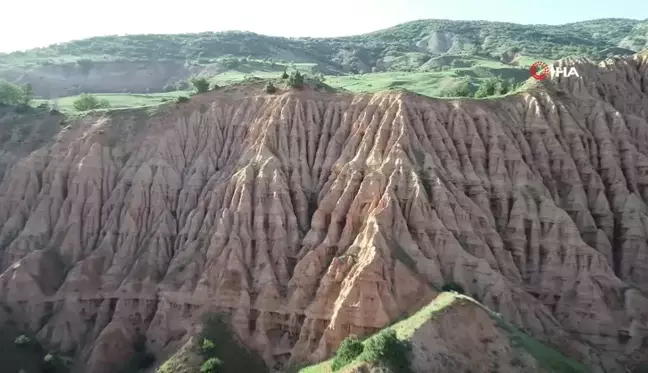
(461, 89)
(22, 340)
(350, 348)
(453, 286)
(181, 99)
(387, 348)
(201, 85)
(270, 88)
(284, 75)
(52, 364)
(207, 347)
(212, 365)
(87, 101)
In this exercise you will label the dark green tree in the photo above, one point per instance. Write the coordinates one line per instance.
(296, 80)
(270, 88)
(201, 85)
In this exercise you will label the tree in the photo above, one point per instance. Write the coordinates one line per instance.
(201, 85)
(486, 88)
(493, 86)
(270, 88)
(296, 80)
(27, 94)
(12, 94)
(284, 75)
(87, 101)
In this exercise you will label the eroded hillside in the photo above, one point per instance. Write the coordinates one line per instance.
(308, 216)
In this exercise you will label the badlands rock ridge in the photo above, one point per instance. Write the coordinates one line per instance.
(308, 216)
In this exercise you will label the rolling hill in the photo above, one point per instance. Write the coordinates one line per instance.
(438, 48)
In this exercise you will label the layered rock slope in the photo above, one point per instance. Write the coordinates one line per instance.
(308, 216)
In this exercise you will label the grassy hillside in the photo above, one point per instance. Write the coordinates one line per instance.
(429, 57)
(544, 357)
(407, 46)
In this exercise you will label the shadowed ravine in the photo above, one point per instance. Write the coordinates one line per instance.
(309, 216)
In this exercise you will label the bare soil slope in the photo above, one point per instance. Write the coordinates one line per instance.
(308, 216)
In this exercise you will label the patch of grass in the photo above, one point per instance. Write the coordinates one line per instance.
(116, 100)
(403, 331)
(549, 358)
(350, 348)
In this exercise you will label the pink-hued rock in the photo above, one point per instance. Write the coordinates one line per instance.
(308, 216)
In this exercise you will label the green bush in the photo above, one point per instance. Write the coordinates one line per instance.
(52, 364)
(388, 349)
(460, 89)
(201, 85)
(207, 347)
(22, 341)
(212, 365)
(87, 101)
(284, 75)
(453, 286)
(494, 86)
(350, 348)
(181, 99)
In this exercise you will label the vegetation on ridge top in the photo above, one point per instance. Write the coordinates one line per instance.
(429, 57)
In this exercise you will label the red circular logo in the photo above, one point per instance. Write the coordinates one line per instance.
(539, 70)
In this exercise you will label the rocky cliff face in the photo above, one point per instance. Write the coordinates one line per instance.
(308, 216)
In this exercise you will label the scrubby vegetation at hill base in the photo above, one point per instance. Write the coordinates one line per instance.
(21, 353)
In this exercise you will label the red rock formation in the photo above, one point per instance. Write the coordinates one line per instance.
(308, 216)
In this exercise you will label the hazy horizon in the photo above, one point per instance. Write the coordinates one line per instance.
(62, 21)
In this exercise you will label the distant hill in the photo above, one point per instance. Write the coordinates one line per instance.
(139, 63)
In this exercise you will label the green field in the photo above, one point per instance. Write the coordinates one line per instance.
(430, 83)
(116, 100)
